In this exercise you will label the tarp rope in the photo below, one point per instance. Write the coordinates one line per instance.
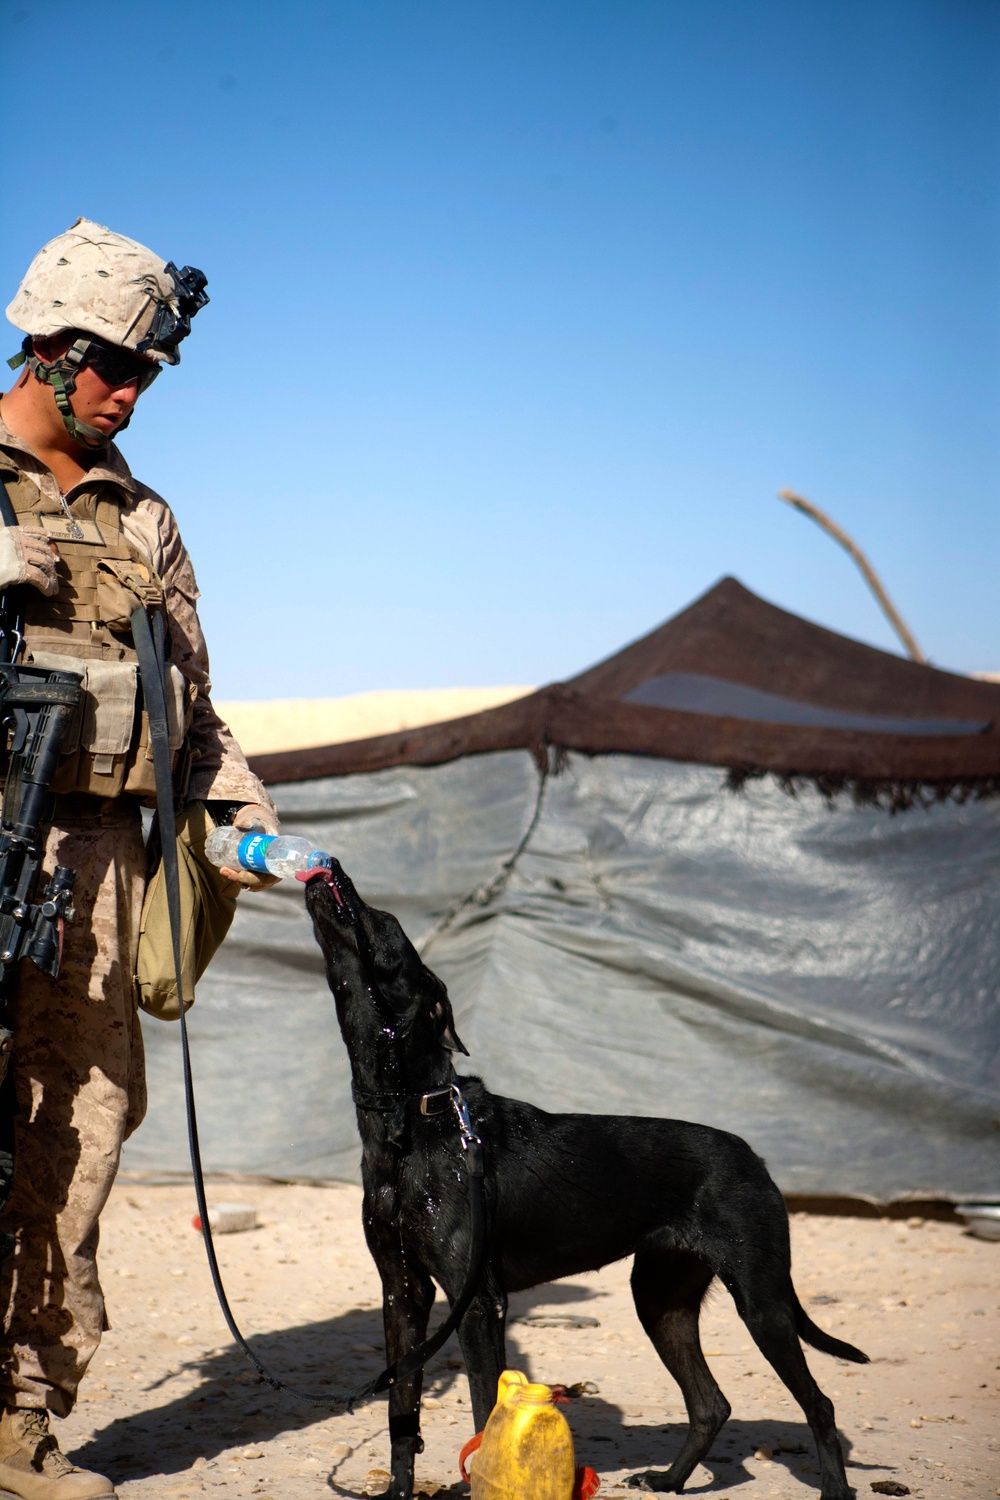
(486, 893)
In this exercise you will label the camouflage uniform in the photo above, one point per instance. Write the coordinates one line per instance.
(78, 1058)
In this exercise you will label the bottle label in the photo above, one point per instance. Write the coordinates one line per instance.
(252, 853)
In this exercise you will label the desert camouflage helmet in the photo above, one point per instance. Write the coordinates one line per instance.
(108, 285)
(103, 284)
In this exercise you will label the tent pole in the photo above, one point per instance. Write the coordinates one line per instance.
(871, 577)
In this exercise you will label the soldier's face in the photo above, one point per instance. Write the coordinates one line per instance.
(95, 400)
(103, 406)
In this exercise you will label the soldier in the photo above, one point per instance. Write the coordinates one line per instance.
(101, 315)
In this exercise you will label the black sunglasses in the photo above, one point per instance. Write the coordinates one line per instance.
(117, 367)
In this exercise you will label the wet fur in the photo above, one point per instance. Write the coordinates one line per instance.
(565, 1194)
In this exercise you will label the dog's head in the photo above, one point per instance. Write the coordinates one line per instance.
(376, 975)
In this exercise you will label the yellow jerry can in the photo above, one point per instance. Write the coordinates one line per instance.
(527, 1448)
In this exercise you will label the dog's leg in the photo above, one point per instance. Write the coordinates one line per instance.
(482, 1336)
(407, 1296)
(772, 1324)
(668, 1287)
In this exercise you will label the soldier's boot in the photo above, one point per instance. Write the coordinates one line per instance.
(32, 1466)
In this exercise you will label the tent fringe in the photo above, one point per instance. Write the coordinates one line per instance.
(892, 794)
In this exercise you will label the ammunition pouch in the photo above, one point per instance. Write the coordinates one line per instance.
(107, 750)
(120, 585)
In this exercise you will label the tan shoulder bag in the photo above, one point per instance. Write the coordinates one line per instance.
(208, 904)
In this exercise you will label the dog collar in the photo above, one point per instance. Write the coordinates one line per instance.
(436, 1102)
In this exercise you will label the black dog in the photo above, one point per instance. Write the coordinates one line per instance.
(563, 1193)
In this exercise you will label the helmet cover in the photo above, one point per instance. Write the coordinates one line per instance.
(110, 286)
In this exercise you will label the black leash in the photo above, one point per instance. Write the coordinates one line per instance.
(149, 645)
(473, 1148)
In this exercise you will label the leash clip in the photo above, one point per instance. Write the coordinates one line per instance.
(466, 1134)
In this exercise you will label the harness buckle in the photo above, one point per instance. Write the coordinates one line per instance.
(426, 1101)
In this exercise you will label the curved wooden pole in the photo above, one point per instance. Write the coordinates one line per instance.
(871, 577)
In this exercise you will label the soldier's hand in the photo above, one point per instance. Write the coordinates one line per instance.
(28, 556)
(254, 819)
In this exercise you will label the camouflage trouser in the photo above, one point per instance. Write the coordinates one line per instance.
(79, 1076)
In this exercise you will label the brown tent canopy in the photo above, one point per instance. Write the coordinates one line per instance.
(730, 681)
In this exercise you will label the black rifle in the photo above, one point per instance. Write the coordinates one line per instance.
(36, 709)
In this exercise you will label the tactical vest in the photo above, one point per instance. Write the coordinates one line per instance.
(85, 628)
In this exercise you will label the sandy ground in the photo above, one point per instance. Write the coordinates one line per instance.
(171, 1408)
(294, 723)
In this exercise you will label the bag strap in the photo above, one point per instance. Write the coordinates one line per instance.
(7, 512)
(149, 647)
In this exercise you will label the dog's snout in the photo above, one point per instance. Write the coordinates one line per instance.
(325, 879)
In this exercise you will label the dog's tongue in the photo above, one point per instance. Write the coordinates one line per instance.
(321, 874)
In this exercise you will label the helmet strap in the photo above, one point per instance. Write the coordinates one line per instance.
(61, 376)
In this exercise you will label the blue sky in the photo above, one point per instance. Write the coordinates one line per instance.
(522, 312)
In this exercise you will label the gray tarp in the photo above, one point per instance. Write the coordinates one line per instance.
(822, 980)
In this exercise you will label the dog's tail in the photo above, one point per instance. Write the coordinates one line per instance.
(807, 1330)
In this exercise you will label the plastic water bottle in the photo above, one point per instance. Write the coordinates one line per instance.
(263, 853)
(228, 1218)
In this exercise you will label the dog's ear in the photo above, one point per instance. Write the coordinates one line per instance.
(444, 1020)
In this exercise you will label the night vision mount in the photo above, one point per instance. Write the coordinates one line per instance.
(169, 327)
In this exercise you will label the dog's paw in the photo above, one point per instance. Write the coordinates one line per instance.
(657, 1480)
